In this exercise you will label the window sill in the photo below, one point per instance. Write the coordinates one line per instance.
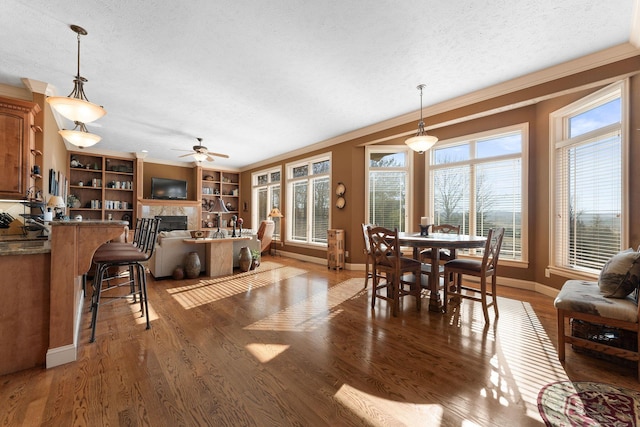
(572, 274)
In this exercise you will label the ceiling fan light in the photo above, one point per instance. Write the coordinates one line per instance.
(200, 157)
(421, 143)
(76, 109)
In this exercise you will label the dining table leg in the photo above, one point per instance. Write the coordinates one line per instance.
(435, 303)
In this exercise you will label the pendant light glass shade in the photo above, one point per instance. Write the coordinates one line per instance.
(79, 136)
(77, 107)
(421, 142)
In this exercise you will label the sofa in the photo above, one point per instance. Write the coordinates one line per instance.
(171, 249)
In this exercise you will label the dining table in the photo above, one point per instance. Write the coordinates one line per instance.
(436, 242)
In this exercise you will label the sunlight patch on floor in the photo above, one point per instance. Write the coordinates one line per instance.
(524, 358)
(266, 352)
(206, 291)
(311, 313)
(374, 410)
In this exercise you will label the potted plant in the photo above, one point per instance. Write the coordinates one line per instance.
(255, 259)
(73, 201)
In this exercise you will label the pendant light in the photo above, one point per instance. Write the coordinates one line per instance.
(421, 142)
(79, 136)
(76, 107)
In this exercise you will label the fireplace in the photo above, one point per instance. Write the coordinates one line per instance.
(172, 222)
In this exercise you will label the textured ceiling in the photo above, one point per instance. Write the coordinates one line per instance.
(257, 79)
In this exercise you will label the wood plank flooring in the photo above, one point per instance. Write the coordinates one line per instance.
(294, 343)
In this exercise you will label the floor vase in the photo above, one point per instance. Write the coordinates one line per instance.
(192, 265)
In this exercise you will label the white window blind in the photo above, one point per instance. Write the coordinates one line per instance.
(477, 182)
(589, 176)
(388, 186)
(308, 207)
(265, 196)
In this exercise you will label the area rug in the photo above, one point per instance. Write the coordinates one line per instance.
(567, 403)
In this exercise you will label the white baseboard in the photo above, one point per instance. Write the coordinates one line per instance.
(61, 355)
(67, 353)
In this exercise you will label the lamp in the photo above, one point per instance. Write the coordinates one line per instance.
(79, 136)
(219, 208)
(76, 107)
(275, 213)
(421, 142)
(200, 157)
(57, 204)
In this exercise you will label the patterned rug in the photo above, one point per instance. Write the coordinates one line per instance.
(567, 403)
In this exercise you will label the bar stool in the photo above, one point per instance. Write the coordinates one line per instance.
(128, 255)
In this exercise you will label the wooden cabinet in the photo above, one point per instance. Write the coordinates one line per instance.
(214, 185)
(335, 249)
(102, 187)
(17, 139)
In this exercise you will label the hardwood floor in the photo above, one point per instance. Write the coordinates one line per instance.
(294, 343)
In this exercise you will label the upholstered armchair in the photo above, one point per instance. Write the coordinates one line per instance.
(265, 234)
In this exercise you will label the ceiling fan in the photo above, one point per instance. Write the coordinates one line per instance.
(200, 153)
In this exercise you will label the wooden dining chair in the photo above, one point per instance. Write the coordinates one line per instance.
(368, 255)
(388, 260)
(455, 269)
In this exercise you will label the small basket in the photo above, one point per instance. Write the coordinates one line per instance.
(201, 234)
(614, 337)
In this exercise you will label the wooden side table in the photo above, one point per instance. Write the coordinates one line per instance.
(335, 249)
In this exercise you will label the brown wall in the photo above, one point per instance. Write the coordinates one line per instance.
(539, 101)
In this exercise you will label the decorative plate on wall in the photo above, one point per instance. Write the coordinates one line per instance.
(340, 203)
(340, 189)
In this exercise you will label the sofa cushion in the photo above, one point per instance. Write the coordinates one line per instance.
(182, 234)
(585, 297)
(620, 275)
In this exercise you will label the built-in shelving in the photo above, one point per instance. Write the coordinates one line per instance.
(104, 187)
(214, 185)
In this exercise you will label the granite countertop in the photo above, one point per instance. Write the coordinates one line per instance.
(25, 247)
(89, 222)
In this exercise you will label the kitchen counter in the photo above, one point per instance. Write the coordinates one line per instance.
(73, 244)
(24, 247)
(24, 306)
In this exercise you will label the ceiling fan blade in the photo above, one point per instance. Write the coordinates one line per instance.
(210, 159)
(186, 155)
(224, 156)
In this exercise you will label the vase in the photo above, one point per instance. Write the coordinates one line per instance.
(244, 260)
(178, 273)
(192, 265)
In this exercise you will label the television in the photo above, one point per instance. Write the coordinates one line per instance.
(168, 189)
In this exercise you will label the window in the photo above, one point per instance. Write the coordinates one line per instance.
(388, 186)
(308, 201)
(479, 182)
(588, 180)
(265, 194)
